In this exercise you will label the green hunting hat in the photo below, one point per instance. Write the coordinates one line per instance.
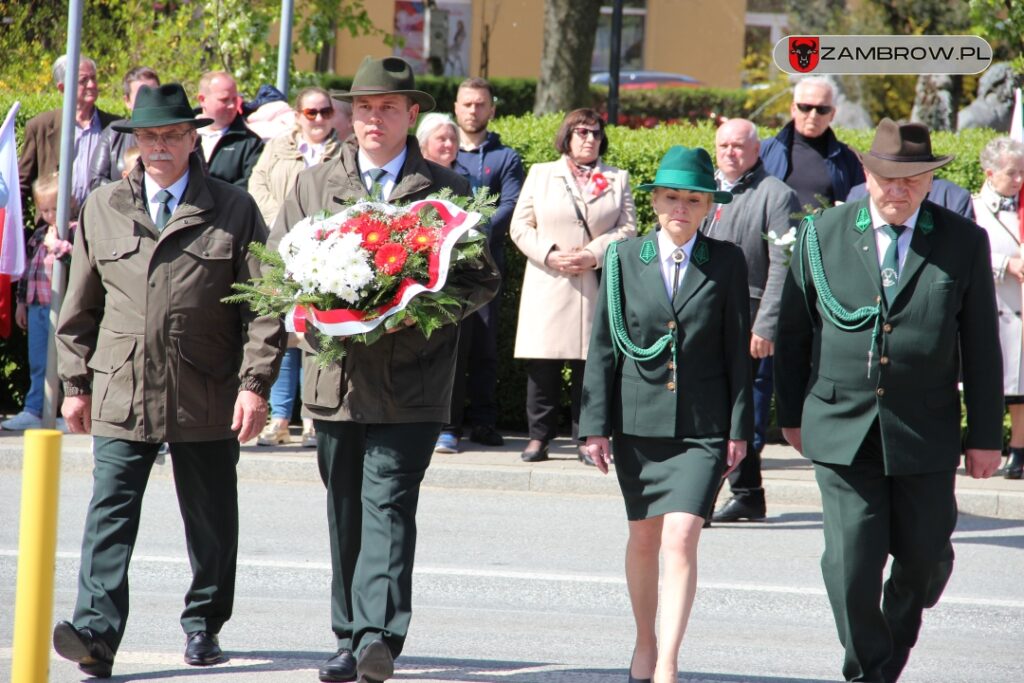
(683, 168)
(388, 76)
(164, 105)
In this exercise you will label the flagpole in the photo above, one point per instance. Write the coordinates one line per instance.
(67, 149)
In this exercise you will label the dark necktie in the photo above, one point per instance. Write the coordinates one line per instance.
(678, 256)
(891, 261)
(377, 187)
(163, 212)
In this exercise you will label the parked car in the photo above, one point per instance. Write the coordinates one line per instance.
(642, 80)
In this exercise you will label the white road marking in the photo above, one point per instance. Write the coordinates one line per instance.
(513, 575)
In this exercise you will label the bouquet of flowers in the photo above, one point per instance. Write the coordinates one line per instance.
(369, 269)
(786, 241)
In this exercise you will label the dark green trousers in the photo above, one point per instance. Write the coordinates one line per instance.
(869, 516)
(206, 485)
(372, 473)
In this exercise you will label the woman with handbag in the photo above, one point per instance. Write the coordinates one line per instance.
(668, 379)
(569, 211)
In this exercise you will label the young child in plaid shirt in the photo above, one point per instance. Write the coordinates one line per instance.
(33, 298)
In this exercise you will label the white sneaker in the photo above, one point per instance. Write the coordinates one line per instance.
(22, 421)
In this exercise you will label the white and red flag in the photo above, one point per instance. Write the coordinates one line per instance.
(12, 229)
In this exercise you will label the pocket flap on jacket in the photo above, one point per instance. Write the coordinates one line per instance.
(115, 247)
(206, 247)
(109, 357)
(215, 361)
(825, 389)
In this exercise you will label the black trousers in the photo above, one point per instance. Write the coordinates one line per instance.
(867, 517)
(476, 371)
(372, 473)
(206, 483)
(745, 481)
(544, 394)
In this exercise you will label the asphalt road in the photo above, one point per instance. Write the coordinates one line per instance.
(523, 588)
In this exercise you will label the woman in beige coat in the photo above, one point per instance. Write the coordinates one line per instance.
(997, 211)
(569, 211)
(313, 141)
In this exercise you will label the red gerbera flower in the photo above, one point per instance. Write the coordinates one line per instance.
(422, 239)
(375, 232)
(405, 222)
(390, 258)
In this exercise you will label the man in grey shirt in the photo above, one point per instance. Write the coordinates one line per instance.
(761, 204)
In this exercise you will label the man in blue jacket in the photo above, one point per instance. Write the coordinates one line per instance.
(806, 154)
(485, 162)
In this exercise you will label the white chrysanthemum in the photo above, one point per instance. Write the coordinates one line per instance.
(336, 265)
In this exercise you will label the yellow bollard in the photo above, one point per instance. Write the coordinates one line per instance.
(37, 552)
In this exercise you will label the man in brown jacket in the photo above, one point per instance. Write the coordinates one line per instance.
(148, 354)
(378, 413)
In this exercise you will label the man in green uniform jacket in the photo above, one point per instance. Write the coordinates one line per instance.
(889, 301)
(379, 411)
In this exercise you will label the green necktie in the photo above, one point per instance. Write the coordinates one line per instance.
(891, 262)
(163, 212)
(377, 188)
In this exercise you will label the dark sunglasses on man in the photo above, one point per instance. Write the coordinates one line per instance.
(326, 112)
(823, 109)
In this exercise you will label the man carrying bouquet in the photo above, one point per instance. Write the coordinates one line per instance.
(379, 410)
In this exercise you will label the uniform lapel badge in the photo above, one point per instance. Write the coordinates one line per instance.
(863, 220)
(700, 253)
(647, 252)
(926, 222)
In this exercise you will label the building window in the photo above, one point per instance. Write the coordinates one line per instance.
(634, 17)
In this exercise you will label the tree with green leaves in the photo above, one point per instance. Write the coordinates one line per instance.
(570, 28)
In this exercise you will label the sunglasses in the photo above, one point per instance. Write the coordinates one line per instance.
(584, 133)
(326, 112)
(823, 109)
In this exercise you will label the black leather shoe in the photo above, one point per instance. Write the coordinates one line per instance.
(376, 663)
(584, 456)
(892, 668)
(736, 509)
(1015, 464)
(339, 668)
(707, 523)
(203, 649)
(538, 455)
(486, 435)
(81, 645)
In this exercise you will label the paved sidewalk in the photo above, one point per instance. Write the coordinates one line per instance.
(788, 478)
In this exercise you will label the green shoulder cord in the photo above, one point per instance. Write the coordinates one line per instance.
(621, 342)
(834, 311)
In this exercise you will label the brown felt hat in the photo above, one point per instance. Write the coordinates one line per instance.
(391, 75)
(901, 150)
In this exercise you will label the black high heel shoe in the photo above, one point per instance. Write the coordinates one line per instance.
(630, 678)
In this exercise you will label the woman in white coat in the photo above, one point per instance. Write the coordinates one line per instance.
(569, 211)
(997, 209)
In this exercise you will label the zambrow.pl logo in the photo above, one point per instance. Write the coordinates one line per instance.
(803, 53)
(882, 54)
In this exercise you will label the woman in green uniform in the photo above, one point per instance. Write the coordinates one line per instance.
(668, 379)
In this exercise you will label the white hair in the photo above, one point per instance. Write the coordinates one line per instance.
(430, 123)
(992, 156)
(815, 82)
(60, 67)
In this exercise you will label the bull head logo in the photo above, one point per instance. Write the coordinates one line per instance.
(803, 53)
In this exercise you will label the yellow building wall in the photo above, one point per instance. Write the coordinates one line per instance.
(700, 38)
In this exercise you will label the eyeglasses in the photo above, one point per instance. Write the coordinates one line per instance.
(168, 139)
(326, 112)
(584, 133)
(823, 109)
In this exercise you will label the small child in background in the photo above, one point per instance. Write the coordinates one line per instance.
(131, 155)
(33, 299)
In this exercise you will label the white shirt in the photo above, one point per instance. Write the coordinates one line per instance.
(882, 239)
(177, 189)
(668, 267)
(208, 139)
(392, 169)
(311, 152)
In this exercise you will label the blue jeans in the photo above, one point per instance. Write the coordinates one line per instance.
(282, 393)
(38, 335)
